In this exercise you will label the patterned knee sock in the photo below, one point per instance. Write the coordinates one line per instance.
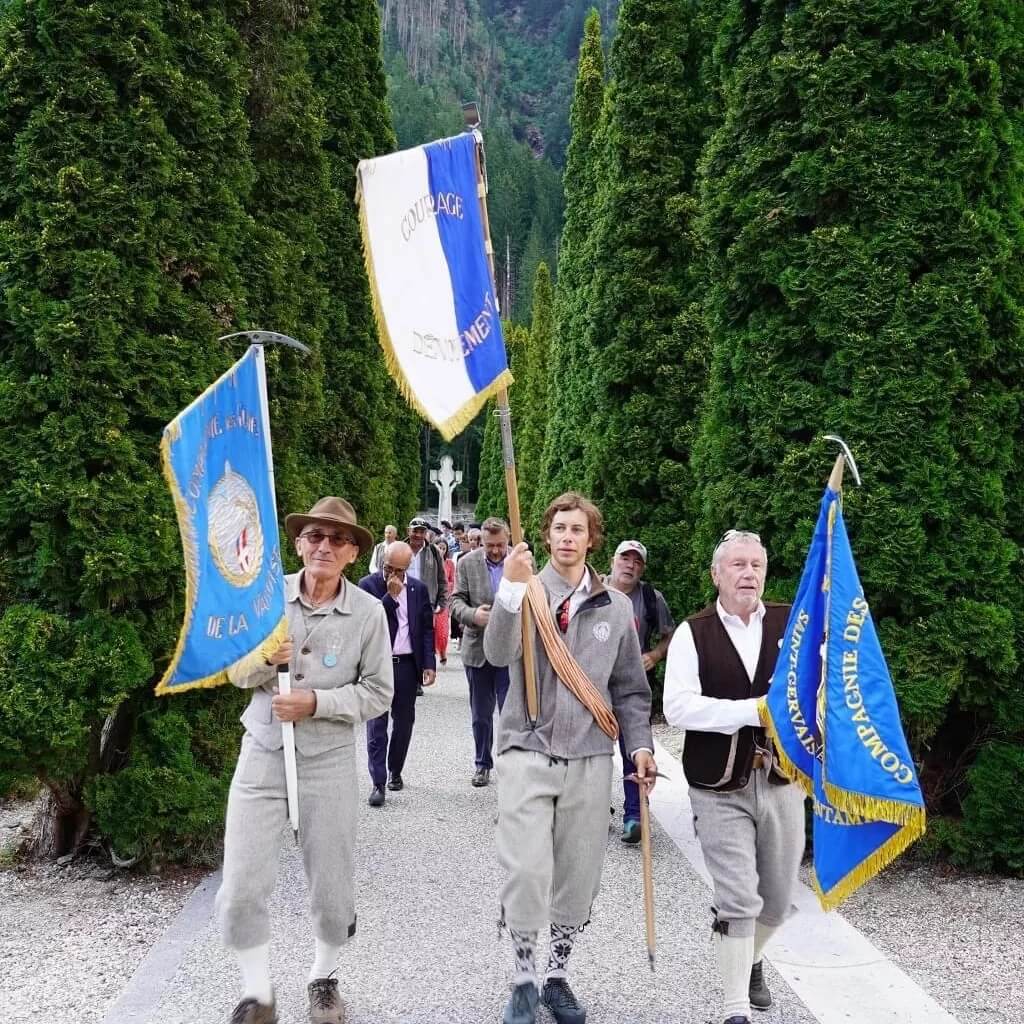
(562, 938)
(524, 947)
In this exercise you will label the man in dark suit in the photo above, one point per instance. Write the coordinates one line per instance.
(411, 624)
(478, 574)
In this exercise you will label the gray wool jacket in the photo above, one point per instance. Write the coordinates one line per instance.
(603, 640)
(342, 651)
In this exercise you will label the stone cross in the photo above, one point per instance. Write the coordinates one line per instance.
(445, 480)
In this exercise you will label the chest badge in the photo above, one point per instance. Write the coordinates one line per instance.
(330, 659)
(602, 631)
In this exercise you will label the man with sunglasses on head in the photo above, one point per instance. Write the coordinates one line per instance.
(341, 672)
(411, 626)
(748, 817)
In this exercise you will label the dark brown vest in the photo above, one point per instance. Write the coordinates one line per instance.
(713, 760)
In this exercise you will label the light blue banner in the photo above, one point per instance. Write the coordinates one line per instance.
(216, 458)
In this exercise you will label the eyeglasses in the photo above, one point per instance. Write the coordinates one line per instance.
(390, 570)
(337, 540)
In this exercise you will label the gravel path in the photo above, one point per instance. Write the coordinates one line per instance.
(427, 949)
(70, 938)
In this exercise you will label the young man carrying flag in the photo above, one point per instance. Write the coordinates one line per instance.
(555, 777)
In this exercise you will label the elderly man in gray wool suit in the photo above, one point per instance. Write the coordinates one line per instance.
(339, 653)
(556, 775)
(478, 576)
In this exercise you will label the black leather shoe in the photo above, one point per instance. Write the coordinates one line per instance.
(481, 777)
(376, 797)
(760, 994)
(559, 999)
(395, 783)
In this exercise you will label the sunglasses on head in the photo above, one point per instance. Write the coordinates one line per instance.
(729, 534)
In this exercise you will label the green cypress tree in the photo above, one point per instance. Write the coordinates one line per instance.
(492, 498)
(862, 207)
(370, 436)
(124, 147)
(534, 389)
(563, 447)
(287, 274)
(646, 322)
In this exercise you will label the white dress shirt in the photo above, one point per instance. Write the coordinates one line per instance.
(685, 705)
(511, 594)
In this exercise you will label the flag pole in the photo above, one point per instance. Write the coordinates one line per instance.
(505, 423)
(648, 871)
(284, 679)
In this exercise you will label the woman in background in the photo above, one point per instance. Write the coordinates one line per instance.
(442, 620)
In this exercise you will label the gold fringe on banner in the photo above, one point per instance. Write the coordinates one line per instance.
(455, 424)
(565, 665)
(786, 765)
(897, 812)
(191, 552)
(869, 867)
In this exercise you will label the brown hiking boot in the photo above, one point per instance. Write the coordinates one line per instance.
(325, 1005)
(249, 1011)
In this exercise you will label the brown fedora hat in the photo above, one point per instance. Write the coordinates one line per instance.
(330, 512)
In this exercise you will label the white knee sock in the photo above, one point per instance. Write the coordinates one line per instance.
(326, 960)
(255, 964)
(762, 933)
(735, 957)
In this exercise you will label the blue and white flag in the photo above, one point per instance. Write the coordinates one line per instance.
(833, 714)
(217, 461)
(433, 291)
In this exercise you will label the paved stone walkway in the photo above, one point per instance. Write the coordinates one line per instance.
(427, 949)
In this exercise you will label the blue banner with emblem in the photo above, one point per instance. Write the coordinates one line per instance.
(217, 461)
(832, 712)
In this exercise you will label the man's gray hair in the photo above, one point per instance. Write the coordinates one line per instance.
(495, 525)
(475, 532)
(743, 536)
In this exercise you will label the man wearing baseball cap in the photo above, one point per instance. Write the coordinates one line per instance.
(652, 620)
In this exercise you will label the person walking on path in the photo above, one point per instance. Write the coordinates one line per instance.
(652, 620)
(477, 579)
(552, 802)
(427, 566)
(749, 818)
(411, 628)
(377, 558)
(340, 662)
(442, 620)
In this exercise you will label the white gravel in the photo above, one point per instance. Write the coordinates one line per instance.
(70, 938)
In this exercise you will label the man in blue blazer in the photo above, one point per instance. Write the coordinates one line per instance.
(411, 624)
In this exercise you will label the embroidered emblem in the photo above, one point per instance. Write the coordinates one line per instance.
(602, 631)
(234, 533)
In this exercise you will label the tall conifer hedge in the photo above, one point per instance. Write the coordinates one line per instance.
(861, 202)
(645, 319)
(172, 171)
(568, 409)
(122, 227)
